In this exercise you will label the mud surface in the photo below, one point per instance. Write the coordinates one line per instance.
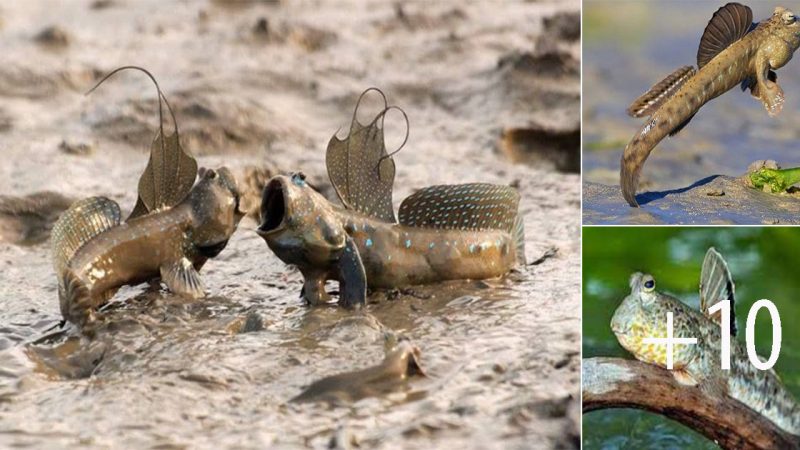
(262, 86)
(713, 200)
(625, 55)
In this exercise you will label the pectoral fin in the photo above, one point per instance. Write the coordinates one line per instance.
(772, 97)
(683, 377)
(352, 277)
(182, 279)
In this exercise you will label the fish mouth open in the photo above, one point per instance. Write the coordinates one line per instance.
(273, 207)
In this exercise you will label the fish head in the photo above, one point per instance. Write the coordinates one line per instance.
(635, 308)
(643, 314)
(785, 32)
(299, 224)
(216, 209)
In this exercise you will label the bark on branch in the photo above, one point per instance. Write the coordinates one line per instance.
(622, 383)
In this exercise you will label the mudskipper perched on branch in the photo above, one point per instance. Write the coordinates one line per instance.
(642, 315)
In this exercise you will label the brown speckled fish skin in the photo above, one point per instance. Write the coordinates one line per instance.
(769, 46)
(312, 234)
(643, 313)
(401, 362)
(196, 229)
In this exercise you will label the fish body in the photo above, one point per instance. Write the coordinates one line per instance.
(399, 255)
(643, 314)
(94, 254)
(401, 362)
(732, 52)
(304, 229)
(444, 232)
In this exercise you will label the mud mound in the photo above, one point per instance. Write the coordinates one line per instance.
(307, 37)
(210, 122)
(37, 83)
(28, 220)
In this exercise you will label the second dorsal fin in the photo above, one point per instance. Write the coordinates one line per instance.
(716, 285)
(729, 24)
(472, 206)
(651, 100)
(83, 220)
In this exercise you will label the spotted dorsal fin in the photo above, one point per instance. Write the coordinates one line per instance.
(168, 177)
(651, 100)
(716, 284)
(83, 220)
(360, 169)
(472, 206)
(729, 24)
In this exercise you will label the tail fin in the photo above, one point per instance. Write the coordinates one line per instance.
(519, 240)
(83, 220)
(73, 298)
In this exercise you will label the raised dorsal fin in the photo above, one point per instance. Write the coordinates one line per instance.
(716, 284)
(472, 206)
(170, 171)
(360, 169)
(83, 220)
(729, 24)
(651, 100)
(168, 177)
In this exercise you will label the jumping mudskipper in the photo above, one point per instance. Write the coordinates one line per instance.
(445, 232)
(175, 227)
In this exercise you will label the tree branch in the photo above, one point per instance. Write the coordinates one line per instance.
(622, 383)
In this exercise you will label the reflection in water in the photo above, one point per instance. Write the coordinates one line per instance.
(760, 262)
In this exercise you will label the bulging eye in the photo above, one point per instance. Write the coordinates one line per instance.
(299, 178)
(649, 284)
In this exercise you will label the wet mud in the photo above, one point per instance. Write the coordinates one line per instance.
(714, 200)
(261, 87)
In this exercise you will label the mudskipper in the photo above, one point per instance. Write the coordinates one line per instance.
(733, 51)
(445, 232)
(175, 227)
(643, 314)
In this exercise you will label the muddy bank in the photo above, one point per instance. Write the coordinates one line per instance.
(717, 199)
(261, 87)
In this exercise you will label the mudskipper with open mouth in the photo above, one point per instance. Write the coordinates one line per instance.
(175, 227)
(445, 232)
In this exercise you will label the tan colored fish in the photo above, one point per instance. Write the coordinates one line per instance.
(467, 231)
(732, 51)
(643, 314)
(174, 229)
(400, 363)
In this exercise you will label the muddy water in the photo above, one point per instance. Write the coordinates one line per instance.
(266, 84)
